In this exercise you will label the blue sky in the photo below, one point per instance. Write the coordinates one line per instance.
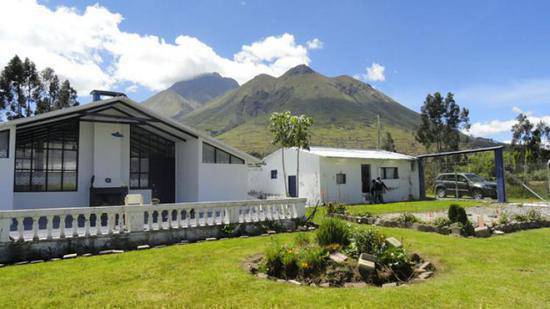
(494, 55)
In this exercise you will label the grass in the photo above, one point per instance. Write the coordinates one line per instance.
(417, 206)
(506, 271)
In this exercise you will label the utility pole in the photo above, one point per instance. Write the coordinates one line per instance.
(378, 139)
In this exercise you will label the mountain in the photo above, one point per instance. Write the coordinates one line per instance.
(344, 110)
(186, 96)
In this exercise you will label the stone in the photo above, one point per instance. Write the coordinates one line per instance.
(338, 257)
(426, 266)
(389, 285)
(443, 230)
(244, 236)
(87, 254)
(36, 261)
(55, 259)
(368, 257)
(482, 231)
(426, 228)
(143, 247)
(21, 263)
(105, 252)
(294, 282)
(355, 284)
(498, 232)
(211, 239)
(415, 257)
(366, 265)
(281, 280)
(425, 275)
(2, 265)
(325, 285)
(455, 229)
(159, 246)
(262, 275)
(271, 232)
(184, 242)
(117, 251)
(69, 256)
(394, 242)
(311, 228)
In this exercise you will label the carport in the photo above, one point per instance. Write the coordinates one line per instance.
(499, 168)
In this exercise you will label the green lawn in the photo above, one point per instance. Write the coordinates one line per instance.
(506, 271)
(417, 206)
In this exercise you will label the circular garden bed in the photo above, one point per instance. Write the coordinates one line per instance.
(340, 256)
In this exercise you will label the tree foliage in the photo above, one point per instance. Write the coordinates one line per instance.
(441, 120)
(527, 139)
(388, 143)
(25, 92)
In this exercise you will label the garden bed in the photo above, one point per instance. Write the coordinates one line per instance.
(489, 220)
(340, 256)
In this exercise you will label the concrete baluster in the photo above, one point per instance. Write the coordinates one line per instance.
(75, 225)
(86, 225)
(35, 228)
(20, 229)
(62, 226)
(98, 223)
(110, 223)
(49, 227)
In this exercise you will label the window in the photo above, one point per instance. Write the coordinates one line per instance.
(211, 154)
(340, 178)
(389, 173)
(46, 158)
(144, 148)
(4, 144)
(273, 174)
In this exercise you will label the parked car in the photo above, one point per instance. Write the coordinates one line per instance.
(465, 184)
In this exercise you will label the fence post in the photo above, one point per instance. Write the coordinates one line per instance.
(499, 171)
(134, 218)
(421, 181)
(5, 229)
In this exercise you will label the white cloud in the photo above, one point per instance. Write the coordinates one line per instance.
(375, 73)
(315, 44)
(91, 51)
(494, 127)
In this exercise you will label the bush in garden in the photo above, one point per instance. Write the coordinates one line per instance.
(467, 229)
(336, 208)
(457, 214)
(534, 215)
(370, 241)
(397, 260)
(333, 231)
(311, 260)
(407, 218)
(274, 259)
(504, 218)
(441, 222)
(302, 240)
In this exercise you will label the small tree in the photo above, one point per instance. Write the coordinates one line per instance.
(291, 131)
(388, 143)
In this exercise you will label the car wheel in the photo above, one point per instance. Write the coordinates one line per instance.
(441, 192)
(477, 195)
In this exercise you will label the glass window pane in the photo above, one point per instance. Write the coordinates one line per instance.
(4, 144)
(23, 164)
(144, 165)
(134, 180)
(134, 165)
(235, 160)
(38, 182)
(22, 181)
(54, 159)
(69, 160)
(39, 159)
(208, 154)
(55, 144)
(222, 156)
(70, 144)
(69, 181)
(54, 181)
(144, 181)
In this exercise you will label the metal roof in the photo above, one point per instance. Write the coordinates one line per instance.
(169, 123)
(358, 153)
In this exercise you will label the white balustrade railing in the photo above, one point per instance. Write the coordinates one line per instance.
(54, 223)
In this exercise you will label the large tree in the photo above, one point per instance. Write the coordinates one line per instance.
(25, 92)
(527, 141)
(441, 120)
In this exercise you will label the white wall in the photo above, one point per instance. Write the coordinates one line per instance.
(223, 182)
(351, 191)
(309, 179)
(188, 154)
(7, 166)
(111, 155)
(80, 198)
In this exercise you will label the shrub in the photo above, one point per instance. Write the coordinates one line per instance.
(457, 214)
(365, 214)
(504, 218)
(407, 218)
(336, 208)
(311, 260)
(534, 215)
(398, 261)
(441, 222)
(370, 241)
(273, 259)
(302, 240)
(467, 229)
(333, 231)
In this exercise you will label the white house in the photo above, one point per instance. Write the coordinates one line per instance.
(96, 153)
(334, 174)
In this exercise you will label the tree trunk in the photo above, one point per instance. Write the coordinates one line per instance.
(284, 171)
(298, 172)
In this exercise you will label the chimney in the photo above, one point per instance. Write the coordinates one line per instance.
(97, 94)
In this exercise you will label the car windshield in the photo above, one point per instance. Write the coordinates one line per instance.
(474, 178)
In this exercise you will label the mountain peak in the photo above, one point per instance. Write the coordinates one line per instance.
(299, 70)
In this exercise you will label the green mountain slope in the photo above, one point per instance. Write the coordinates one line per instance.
(344, 111)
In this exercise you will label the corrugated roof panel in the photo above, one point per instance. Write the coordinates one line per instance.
(358, 153)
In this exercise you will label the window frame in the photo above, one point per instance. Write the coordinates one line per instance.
(7, 132)
(232, 157)
(384, 174)
(341, 179)
(46, 170)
